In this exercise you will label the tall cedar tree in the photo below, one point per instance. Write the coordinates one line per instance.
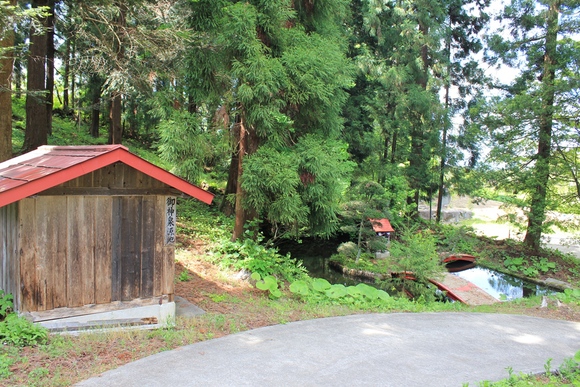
(395, 113)
(523, 121)
(6, 63)
(278, 72)
(37, 109)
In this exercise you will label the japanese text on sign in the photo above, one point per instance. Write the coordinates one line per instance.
(170, 220)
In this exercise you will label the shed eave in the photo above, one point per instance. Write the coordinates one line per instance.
(112, 155)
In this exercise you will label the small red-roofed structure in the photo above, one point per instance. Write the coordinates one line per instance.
(381, 225)
(86, 229)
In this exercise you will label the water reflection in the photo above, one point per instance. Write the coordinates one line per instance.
(502, 286)
(499, 285)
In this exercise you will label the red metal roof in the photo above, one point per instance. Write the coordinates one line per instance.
(49, 166)
(382, 225)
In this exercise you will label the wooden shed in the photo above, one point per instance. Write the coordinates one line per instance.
(87, 229)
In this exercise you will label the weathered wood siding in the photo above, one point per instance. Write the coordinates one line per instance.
(115, 179)
(80, 247)
(9, 278)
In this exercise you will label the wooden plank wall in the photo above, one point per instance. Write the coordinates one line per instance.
(9, 278)
(92, 250)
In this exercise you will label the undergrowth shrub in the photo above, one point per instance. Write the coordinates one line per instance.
(16, 330)
(455, 239)
(250, 255)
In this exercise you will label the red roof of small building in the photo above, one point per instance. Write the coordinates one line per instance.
(49, 166)
(382, 225)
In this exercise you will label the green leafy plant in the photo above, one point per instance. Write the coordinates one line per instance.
(361, 295)
(268, 283)
(16, 330)
(184, 276)
(544, 265)
(217, 297)
(5, 304)
(514, 264)
(531, 267)
(254, 257)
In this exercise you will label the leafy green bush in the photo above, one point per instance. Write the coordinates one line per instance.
(416, 253)
(15, 330)
(250, 255)
(458, 239)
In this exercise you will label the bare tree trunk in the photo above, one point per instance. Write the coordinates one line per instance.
(36, 133)
(239, 209)
(115, 124)
(66, 75)
(6, 64)
(50, 20)
(442, 165)
(96, 109)
(227, 207)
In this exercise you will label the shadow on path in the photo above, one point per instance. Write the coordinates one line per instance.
(400, 349)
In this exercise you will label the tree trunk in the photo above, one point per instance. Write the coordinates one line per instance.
(36, 133)
(444, 140)
(248, 144)
(6, 63)
(417, 162)
(66, 76)
(537, 213)
(96, 85)
(227, 207)
(50, 23)
(239, 209)
(115, 127)
(115, 124)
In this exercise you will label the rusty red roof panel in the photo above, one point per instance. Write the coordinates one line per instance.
(381, 225)
(49, 166)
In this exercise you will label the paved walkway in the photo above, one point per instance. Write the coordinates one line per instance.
(400, 349)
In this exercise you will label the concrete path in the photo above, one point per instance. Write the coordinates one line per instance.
(400, 349)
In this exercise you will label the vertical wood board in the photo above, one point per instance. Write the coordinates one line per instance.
(103, 239)
(29, 288)
(147, 246)
(116, 257)
(87, 249)
(131, 211)
(76, 236)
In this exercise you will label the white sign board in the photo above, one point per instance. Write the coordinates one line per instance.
(170, 218)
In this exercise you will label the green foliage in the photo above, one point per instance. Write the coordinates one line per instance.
(268, 283)
(15, 330)
(530, 267)
(6, 304)
(177, 133)
(297, 188)
(416, 252)
(184, 276)
(570, 296)
(360, 296)
(254, 257)
(461, 239)
(567, 374)
(6, 361)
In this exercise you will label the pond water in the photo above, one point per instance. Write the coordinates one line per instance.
(499, 285)
(315, 257)
(502, 286)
